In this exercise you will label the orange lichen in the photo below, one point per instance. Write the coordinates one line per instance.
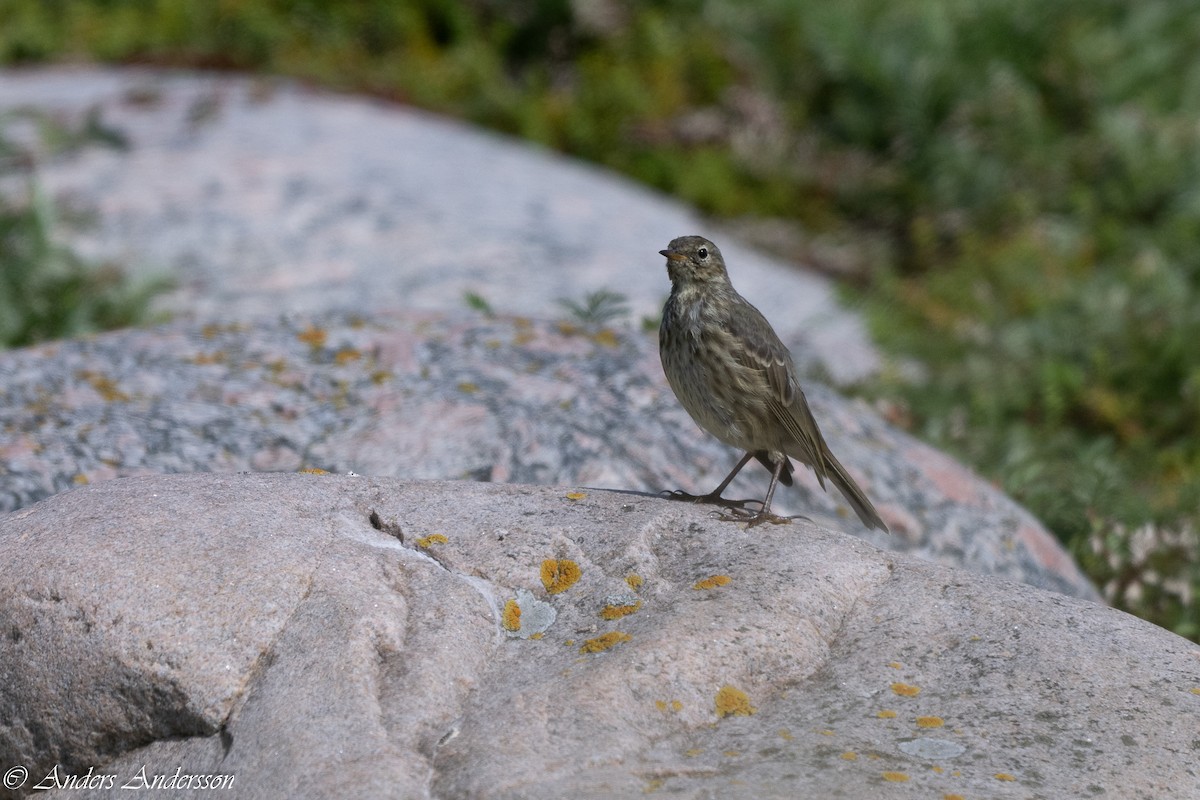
(511, 618)
(576, 495)
(733, 701)
(606, 337)
(953, 797)
(849, 755)
(346, 355)
(602, 643)
(80, 480)
(215, 357)
(314, 471)
(536, 635)
(558, 575)
(905, 690)
(895, 777)
(635, 582)
(1004, 776)
(616, 612)
(930, 722)
(312, 336)
(105, 386)
(713, 582)
(433, 538)
(887, 713)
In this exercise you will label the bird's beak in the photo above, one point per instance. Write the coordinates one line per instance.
(673, 255)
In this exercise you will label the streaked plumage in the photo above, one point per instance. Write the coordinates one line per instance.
(730, 371)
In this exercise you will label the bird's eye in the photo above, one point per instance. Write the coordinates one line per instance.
(703, 253)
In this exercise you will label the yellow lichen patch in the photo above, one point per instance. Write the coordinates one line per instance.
(905, 690)
(713, 581)
(1196, 690)
(826, 732)
(635, 582)
(1004, 776)
(733, 701)
(606, 337)
(849, 755)
(558, 575)
(676, 706)
(602, 643)
(886, 713)
(937, 769)
(312, 336)
(616, 612)
(434, 538)
(896, 665)
(731, 753)
(661, 705)
(215, 357)
(576, 495)
(346, 355)
(466, 387)
(313, 471)
(511, 618)
(654, 785)
(895, 777)
(105, 386)
(537, 635)
(953, 797)
(786, 735)
(930, 722)
(695, 751)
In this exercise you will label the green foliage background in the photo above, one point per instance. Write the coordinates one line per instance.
(1014, 187)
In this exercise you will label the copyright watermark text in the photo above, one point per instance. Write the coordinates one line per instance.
(143, 778)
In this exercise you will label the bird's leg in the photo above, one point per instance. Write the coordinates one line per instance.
(739, 514)
(714, 497)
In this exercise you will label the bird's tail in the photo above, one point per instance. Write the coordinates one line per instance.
(853, 494)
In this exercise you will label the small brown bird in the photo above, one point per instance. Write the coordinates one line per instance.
(730, 371)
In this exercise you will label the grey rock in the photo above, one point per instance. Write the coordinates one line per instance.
(505, 399)
(302, 634)
(259, 195)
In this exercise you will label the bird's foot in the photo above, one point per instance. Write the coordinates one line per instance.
(711, 498)
(753, 518)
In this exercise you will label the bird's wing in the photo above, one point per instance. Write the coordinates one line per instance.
(762, 351)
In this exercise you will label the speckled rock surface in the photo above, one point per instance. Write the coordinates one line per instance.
(319, 636)
(258, 196)
(462, 396)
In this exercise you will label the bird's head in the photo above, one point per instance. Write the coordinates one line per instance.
(694, 259)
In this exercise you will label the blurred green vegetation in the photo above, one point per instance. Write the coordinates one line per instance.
(46, 290)
(1013, 187)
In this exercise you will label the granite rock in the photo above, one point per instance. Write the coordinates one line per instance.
(319, 635)
(501, 399)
